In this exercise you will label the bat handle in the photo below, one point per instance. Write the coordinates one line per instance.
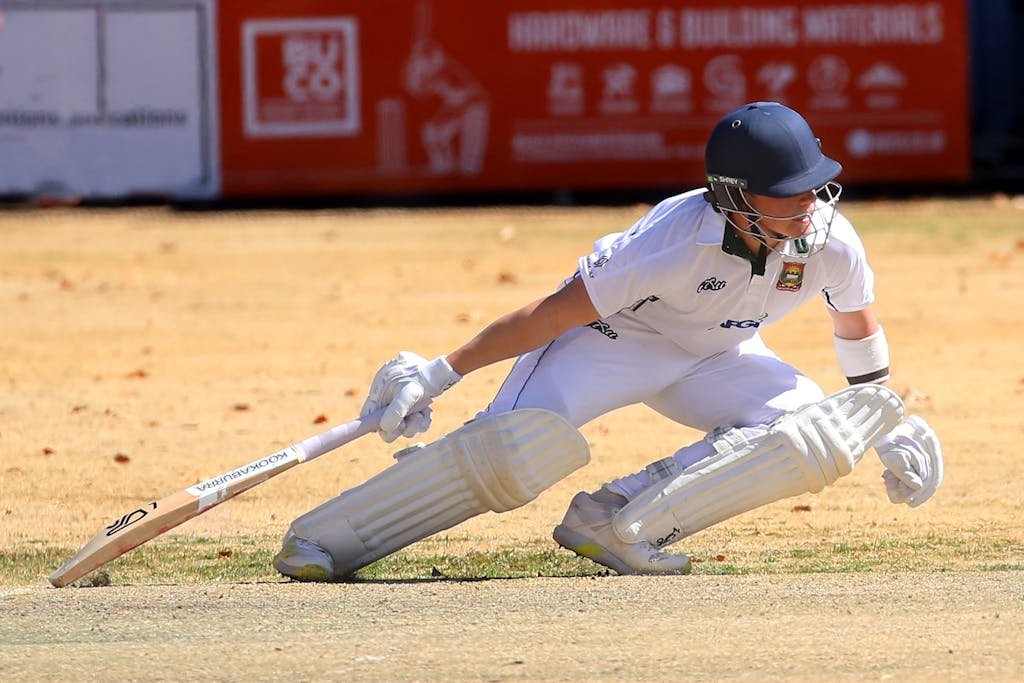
(325, 442)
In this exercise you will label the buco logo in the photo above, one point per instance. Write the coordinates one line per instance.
(301, 77)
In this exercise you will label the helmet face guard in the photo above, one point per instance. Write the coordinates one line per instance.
(766, 148)
(733, 201)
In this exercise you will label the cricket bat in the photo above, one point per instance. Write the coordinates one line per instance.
(152, 519)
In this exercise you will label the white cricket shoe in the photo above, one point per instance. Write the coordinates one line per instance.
(587, 530)
(304, 560)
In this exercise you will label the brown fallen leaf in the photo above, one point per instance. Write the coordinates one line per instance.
(240, 407)
(47, 451)
(999, 258)
(720, 558)
(320, 419)
(121, 458)
(801, 508)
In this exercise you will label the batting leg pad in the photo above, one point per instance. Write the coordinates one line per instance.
(803, 451)
(495, 462)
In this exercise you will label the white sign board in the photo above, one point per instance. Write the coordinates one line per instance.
(108, 99)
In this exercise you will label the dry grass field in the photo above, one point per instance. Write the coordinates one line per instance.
(146, 349)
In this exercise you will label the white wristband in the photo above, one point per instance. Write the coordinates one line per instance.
(864, 360)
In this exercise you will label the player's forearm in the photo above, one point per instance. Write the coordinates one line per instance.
(509, 336)
(854, 324)
(525, 329)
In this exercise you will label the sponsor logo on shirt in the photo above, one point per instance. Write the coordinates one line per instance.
(597, 263)
(791, 277)
(604, 328)
(744, 323)
(712, 284)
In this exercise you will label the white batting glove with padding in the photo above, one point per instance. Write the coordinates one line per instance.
(405, 386)
(912, 457)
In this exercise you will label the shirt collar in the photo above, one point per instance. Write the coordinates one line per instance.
(712, 227)
(714, 231)
(734, 245)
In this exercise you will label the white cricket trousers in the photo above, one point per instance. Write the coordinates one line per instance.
(586, 373)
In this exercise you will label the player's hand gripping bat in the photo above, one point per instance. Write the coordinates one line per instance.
(149, 521)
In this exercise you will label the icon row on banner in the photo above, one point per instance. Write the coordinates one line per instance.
(671, 88)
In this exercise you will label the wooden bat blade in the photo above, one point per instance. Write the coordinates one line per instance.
(130, 531)
(149, 521)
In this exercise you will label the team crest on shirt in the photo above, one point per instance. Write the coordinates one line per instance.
(791, 277)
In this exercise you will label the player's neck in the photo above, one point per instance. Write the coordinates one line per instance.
(743, 229)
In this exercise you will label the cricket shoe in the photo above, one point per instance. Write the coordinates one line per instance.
(587, 530)
(304, 560)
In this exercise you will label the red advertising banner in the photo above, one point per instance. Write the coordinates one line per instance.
(400, 96)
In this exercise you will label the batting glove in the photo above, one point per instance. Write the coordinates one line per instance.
(405, 386)
(912, 457)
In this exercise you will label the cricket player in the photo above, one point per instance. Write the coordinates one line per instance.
(666, 313)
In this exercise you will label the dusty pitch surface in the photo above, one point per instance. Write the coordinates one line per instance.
(146, 350)
(815, 627)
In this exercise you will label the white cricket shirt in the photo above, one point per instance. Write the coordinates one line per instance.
(668, 271)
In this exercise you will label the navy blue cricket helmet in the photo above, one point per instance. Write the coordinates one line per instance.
(766, 148)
